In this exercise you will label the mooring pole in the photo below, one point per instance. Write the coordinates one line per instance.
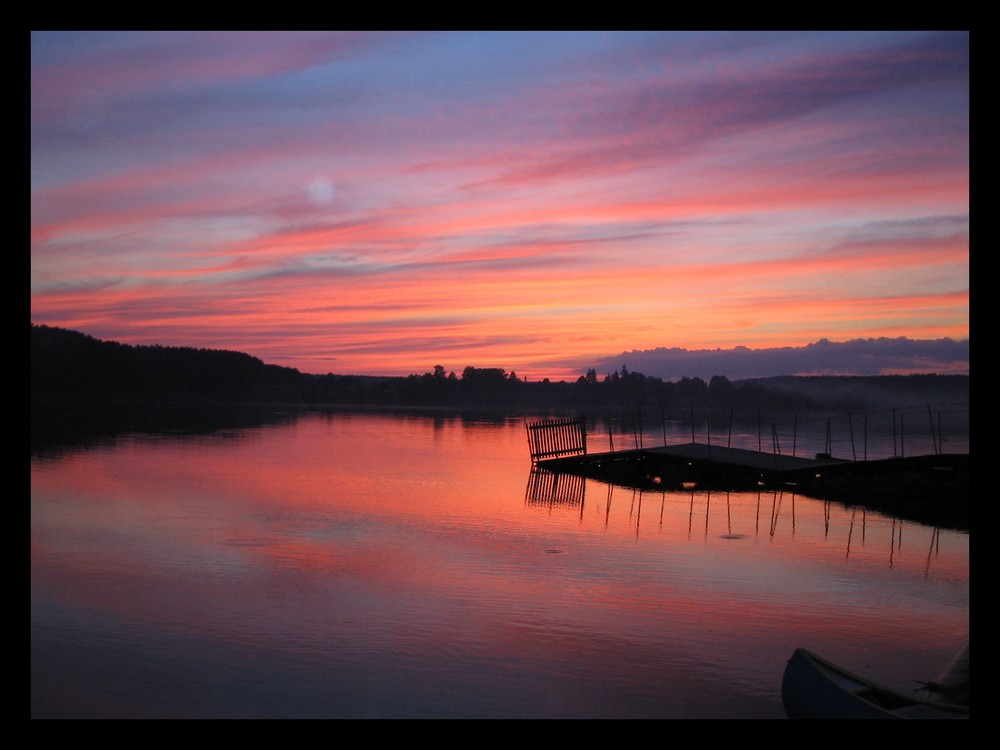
(930, 418)
(902, 438)
(850, 424)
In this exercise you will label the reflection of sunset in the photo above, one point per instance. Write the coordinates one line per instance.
(320, 497)
(343, 554)
(383, 203)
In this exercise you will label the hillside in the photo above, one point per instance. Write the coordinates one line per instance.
(67, 365)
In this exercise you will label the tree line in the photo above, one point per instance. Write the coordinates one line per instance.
(71, 366)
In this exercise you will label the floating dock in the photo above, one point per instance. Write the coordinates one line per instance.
(930, 485)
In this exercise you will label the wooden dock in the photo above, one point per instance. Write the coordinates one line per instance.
(693, 462)
(933, 486)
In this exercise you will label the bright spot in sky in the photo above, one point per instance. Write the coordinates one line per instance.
(320, 191)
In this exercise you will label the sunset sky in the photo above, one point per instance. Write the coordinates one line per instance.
(381, 203)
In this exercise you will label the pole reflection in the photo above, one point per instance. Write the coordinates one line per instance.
(733, 515)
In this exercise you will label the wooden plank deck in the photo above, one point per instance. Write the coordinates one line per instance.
(930, 488)
(742, 458)
(681, 459)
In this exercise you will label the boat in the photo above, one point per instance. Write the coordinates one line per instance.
(813, 688)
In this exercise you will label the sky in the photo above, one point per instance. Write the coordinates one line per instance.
(384, 202)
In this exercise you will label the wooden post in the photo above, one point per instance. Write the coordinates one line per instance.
(930, 418)
(902, 438)
(850, 425)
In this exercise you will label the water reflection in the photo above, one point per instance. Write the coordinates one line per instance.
(56, 428)
(727, 515)
(359, 565)
(547, 488)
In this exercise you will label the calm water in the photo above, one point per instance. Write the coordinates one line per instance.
(385, 566)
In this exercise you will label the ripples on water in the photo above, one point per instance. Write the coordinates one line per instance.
(390, 566)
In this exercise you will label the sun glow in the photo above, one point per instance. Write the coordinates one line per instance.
(355, 211)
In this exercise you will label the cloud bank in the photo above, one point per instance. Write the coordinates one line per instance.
(878, 356)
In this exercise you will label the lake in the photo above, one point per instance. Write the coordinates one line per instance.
(411, 565)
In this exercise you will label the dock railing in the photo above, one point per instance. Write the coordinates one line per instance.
(555, 438)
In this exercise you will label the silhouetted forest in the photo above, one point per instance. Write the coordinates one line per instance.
(72, 367)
